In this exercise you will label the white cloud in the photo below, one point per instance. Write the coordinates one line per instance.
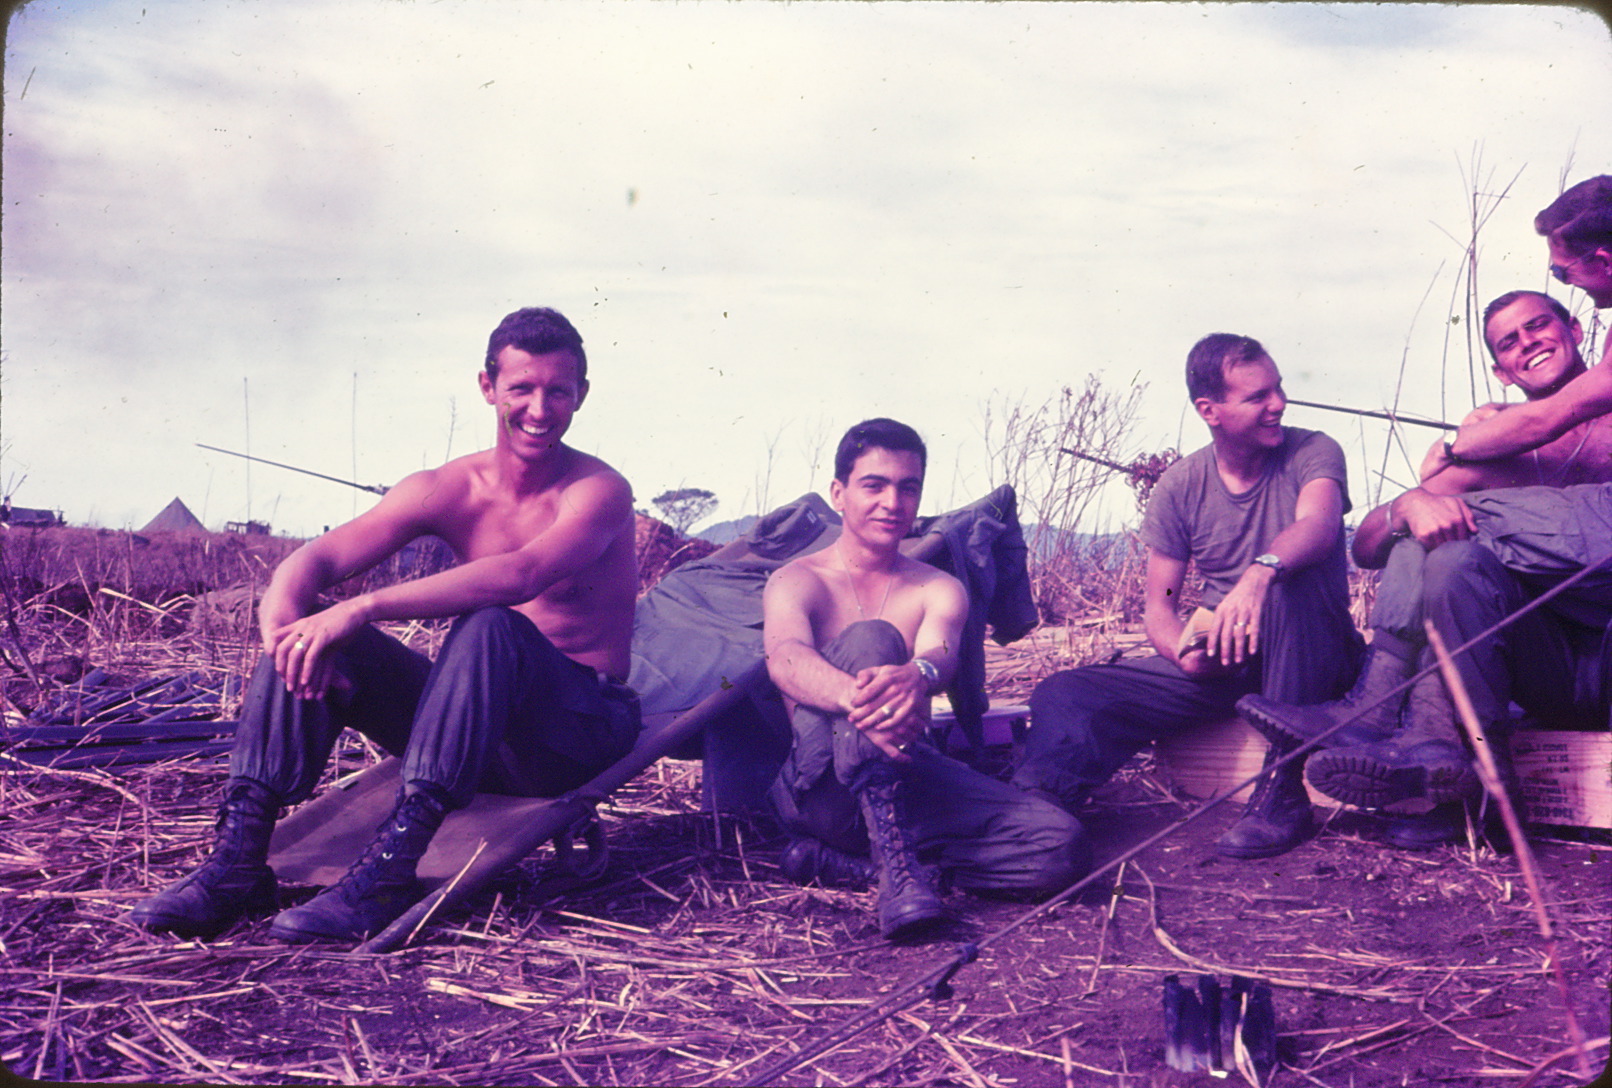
(838, 210)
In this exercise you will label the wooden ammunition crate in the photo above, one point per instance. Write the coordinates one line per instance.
(1566, 776)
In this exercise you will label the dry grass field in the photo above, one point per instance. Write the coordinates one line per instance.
(692, 962)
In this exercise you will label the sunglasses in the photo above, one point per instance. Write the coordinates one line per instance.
(1560, 270)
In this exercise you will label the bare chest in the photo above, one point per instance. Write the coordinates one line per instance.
(1582, 456)
(492, 525)
(840, 609)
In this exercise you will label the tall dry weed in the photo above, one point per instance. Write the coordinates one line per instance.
(1060, 455)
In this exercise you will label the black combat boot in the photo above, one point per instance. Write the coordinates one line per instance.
(378, 887)
(907, 900)
(1442, 825)
(235, 880)
(1390, 661)
(811, 861)
(1278, 815)
(1424, 759)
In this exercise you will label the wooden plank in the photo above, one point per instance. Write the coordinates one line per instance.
(1000, 725)
(318, 841)
(1216, 757)
(1566, 776)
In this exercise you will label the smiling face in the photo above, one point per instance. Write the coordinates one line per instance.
(1534, 349)
(536, 396)
(1250, 416)
(879, 498)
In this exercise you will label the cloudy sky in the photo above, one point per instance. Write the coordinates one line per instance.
(289, 227)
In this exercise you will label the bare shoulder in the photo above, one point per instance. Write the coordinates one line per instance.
(434, 493)
(939, 588)
(794, 595)
(591, 480)
(801, 575)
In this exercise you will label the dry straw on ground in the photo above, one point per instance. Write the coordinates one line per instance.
(693, 962)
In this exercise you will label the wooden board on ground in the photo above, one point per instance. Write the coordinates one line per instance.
(1000, 725)
(1216, 757)
(1566, 776)
(318, 841)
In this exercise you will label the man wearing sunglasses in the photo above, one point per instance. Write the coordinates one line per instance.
(1578, 230)
(1515, 504)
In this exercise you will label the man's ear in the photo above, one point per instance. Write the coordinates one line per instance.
(488, 392)
(1500, 375)
(1208, 410)
(836, 494)
(582, 392)
(1578, 332)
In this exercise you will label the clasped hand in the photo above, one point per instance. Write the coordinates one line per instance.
(1435, 519)
(886, 707)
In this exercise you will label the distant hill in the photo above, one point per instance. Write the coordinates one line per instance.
(1107, 547)
(724, 532)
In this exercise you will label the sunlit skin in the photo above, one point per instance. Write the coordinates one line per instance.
(1538, 353)
(1534, 349)
(536, 396)
(536, 526)
(863, 575)
(1247, 422)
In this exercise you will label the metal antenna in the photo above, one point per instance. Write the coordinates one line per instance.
(376, 489)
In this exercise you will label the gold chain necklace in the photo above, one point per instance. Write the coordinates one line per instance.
(860, 611)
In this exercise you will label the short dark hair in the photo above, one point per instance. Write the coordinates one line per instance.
(881, 433)
(1580, 220)
(536, 330)
(1512, 296)
(1212, 356)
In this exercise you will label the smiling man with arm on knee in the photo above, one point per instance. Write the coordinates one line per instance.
(527, 695)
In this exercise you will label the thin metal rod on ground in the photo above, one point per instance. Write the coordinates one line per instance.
(914, 990)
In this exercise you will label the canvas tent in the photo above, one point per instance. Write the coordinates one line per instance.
(175, 518)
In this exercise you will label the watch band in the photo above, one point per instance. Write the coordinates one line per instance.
(1272, 561)
(930, 671)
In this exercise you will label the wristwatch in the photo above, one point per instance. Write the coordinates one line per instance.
(929, 671)
(1272, 561)
(1451, 456)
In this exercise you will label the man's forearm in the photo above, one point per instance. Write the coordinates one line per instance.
(507, 580)
(1375, 538)
(805, 676)
(1306, 541)
(1163, 627)
(1527, 426)
(292, 591)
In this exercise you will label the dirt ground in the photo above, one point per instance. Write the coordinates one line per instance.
(693, 962)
